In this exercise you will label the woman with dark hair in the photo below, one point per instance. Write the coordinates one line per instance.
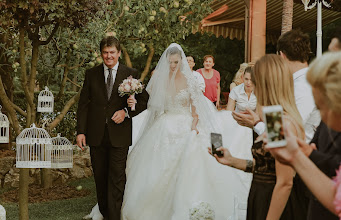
(242, 97)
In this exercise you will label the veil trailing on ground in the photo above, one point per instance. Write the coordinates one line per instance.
(169, 78)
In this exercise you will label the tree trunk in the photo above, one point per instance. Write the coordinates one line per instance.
(287, 14)
(66, 72)
(127, 57)
(74, 87)
(148, 63)
(46, 178)
(23, 194)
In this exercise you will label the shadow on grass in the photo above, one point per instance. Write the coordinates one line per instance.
(69, 209)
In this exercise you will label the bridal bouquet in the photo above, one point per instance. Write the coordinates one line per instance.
(201, 211)
(130, 86)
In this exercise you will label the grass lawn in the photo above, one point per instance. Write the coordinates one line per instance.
(70, 209)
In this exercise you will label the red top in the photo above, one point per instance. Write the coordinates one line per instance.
(211, 85)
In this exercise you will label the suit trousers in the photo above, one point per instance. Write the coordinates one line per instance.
(109, 164)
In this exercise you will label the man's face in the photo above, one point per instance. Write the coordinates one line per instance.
(190, 61)
(110, 56)
(334, 45)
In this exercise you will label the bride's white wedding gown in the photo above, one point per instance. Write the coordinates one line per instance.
(169, 169)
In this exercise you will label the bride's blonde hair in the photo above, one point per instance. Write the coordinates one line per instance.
(324, 74)
(275, 86)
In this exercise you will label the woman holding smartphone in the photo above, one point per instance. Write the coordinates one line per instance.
(273, 193)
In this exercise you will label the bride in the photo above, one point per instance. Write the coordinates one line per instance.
(169, 170)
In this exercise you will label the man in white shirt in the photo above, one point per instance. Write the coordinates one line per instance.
(198, 76)
(294, 47)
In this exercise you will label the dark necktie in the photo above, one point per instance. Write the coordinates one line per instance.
(109, 83)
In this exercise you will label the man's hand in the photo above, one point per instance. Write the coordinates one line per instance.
(131, 101)
(306, 148)
(118, 116)
(217, 104)
(247, 118)
(81, 141)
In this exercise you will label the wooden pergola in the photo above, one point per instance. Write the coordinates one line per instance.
(258, 22)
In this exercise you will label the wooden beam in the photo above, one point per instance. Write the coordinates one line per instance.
(212, 23)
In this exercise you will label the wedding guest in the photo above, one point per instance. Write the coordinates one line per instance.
(198, 76)
(294, 47)
(273, 193)
(212, 80)
(324, 75)
(243, 96)
(238, 78)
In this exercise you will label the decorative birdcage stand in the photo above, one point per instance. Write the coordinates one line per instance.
(45, 101)
(4, 128)
(33, 146)
(62, 153)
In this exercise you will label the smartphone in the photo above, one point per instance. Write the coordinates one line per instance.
(216, 142)
(273, 119)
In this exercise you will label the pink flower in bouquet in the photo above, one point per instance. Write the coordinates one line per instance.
(337, 199)
(126, 88)
(130, 86)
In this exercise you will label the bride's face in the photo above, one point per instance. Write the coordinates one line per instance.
(174, 62)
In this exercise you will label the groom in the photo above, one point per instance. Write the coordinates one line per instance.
(104, 123)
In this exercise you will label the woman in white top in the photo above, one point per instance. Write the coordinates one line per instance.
(242, 97)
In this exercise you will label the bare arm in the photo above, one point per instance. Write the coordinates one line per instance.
(231, 104)
(195, 119)
(218, 95)
(315, 180)
(281, 192)
(229, 160)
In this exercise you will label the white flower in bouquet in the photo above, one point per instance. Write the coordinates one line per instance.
(126, 88)
(201, 211)
(130, 86)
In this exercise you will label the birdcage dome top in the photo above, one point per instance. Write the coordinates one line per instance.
(60, 140)
(46, 92)
(33, 135)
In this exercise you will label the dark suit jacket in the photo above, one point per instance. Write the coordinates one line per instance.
(95, 110)
(327, 158)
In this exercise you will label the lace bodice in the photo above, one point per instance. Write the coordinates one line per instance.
(180, 103)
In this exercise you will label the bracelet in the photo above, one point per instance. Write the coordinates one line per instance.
(249, 166)
(260, 120)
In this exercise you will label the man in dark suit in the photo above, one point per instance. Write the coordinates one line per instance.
(104, 123)
(327, 158)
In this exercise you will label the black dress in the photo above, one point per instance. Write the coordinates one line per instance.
(263, 183)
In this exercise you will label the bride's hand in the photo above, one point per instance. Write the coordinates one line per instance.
(195, 129)
(226, 159)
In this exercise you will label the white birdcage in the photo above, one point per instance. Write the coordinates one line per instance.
(33, 146)
(62, 153)
(4, 128)
(45, 101)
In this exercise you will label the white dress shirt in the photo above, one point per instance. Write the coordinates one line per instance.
(243, 102)
(113, 73)
(305, 104)
(200, 80)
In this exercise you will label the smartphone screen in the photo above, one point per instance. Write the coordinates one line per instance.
(216, 142)
(273, 118)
